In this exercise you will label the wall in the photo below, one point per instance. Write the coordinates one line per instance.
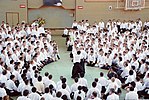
(69, 4)
(56, 17)
(95, 11)
(61, 17)
(13, 6)
(35, 3)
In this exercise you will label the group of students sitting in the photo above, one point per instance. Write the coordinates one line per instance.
(44, 88)
(24, 50)
(122, 47)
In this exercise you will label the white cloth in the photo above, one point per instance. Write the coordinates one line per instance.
(56, 98)
(103, 81)
(79, 93)
(131, 96)
(82, 82)
(139, 86)
(129, 79)
(34, 96)
(3, 78)
(11, 85)
(112, 85)
(2, 92)
(23, 98)
(74, 87)
(91, 90)
(113, 96)
(92, 58)
(65, 32)
(49, 82)
(76, 58)
(47, 96)
(65, 92)
(39, 86)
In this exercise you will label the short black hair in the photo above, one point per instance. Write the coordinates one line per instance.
(2, 85)
(143, 60)
(133, 67)
(79, 87)
(131, 72)
(101, 74)
(147, 63)
(25, 93)
(78, 52)
(50, 76)
(94, 84)
(64, 97)
(39, 78)
(148, 75)
(94, 94)
(26, 81)
(34, 89)
(96, 79)
(46, 73)
(138, 78)
(133, 84)
(58, 94)
(63, 86)
(76, 79)
(46, 90)
(131, 88)
(4, 72)
(12, 77)
(112, 90)
(64, 80)
(51, 86)
(79, 98)
(120, 58)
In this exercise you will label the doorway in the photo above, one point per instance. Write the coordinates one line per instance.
(12, 18)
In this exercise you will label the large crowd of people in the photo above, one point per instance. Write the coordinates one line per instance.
(24, 50)
(119, 47)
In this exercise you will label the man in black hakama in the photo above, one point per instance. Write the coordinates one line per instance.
(77, 68)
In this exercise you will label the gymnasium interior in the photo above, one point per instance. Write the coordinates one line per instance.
(60, 15)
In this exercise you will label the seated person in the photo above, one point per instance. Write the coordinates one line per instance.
(65, 33)
(91, 59)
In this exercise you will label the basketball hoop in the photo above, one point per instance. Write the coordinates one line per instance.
(134, 4)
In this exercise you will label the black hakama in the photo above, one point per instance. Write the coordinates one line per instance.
(77, 69)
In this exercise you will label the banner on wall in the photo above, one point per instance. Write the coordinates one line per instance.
(80, 7)
(134, 4)
(22, 6)
(52, 2)
(100, 0)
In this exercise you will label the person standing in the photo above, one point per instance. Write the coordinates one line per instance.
(77, 68)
